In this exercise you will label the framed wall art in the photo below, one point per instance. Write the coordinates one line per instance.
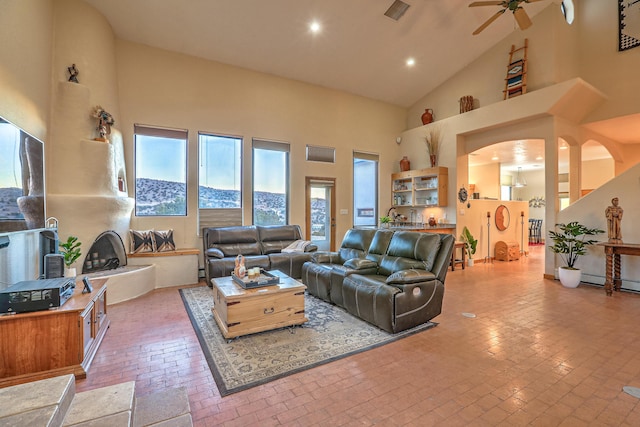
(628, 24)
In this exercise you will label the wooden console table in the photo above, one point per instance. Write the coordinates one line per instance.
(613, 251)
(48, 343)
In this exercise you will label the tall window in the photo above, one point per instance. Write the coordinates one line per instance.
(365, 188)
(220, 172)
(161, 171)
(270, 183)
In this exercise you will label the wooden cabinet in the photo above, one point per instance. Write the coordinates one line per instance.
(48, 343)
(424, 187)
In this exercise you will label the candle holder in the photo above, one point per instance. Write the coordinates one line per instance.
(522, 251)
(487, 258)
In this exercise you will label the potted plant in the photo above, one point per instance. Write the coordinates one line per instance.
(385, 220)
(70, 250)
(571, 242)
(470, 244)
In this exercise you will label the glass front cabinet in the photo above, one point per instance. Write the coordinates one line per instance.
(424, 187)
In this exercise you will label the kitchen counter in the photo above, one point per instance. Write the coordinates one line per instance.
(425, 228)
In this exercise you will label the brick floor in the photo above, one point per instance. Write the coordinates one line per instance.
(536, 354)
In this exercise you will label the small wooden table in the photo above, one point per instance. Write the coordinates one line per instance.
(613, 251)
(461, 260)
(241, 311)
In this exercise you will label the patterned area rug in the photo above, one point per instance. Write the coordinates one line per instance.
(330, 334)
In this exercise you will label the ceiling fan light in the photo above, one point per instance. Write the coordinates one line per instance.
(396, 10)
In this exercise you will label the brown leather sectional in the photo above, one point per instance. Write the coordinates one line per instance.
(261, 247)
(392, 279)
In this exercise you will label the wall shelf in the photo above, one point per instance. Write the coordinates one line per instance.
(423, 187)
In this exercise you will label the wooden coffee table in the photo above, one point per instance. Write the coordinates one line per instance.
(241, 311)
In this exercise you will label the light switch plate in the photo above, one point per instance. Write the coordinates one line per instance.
(344, 211)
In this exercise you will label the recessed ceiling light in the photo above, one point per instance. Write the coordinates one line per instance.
(495, 158)
(411, 62)
(315, 27)
(539, 158)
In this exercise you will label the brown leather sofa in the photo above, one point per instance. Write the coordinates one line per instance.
(392, 279)
(261, 247)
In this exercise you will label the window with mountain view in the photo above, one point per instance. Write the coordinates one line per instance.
(219, 172)
(270, 183)
(365, 188)
(161, 171)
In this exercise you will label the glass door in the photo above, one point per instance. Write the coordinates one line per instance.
(320, 212)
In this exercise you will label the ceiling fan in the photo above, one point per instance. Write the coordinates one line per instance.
(519, 13)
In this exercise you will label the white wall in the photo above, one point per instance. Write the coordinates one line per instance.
(590, 211)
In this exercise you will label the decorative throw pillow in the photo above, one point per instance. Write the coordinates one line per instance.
(141, 241)
(163, 241)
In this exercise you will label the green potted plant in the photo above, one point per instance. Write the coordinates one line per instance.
(571, 242)
(470, 244)
(385, 220)
(70, 250)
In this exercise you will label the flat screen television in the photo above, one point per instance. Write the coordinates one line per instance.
(22, 202)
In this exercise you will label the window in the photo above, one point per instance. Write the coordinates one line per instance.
(161, 171)
(270, 183)
(505, 192)
(220, 172)
(365, 188)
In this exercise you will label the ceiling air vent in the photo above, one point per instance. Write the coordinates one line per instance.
(321, 154)
(396, 10)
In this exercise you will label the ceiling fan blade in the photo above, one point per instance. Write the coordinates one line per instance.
(522, 18)
(488, 22)
(487, 3)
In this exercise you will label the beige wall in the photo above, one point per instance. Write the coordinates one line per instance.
(600, 62)
(25, 64)
(157, 87)
(487, 180)
(84, 37)
(484, 78)
(596, 172)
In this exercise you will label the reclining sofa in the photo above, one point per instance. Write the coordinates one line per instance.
(392, 279)
(261, 247)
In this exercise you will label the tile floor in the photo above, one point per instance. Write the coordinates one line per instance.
(536, 354)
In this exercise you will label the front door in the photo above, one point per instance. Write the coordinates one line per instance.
(320, 212)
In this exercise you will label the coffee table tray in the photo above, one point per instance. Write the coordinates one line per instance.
(264, 279)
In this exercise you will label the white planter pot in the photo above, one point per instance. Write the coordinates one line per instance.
(470, 262)
(569, 278)
(70, 272)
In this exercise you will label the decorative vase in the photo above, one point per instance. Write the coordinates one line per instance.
(433, 159)
(570, 278)
(70, 272)
(405, 164)
(432, 221)
(470, 262)
(427, 116)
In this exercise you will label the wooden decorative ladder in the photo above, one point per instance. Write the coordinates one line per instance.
(515, 83)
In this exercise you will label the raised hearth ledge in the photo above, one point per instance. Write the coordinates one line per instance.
(127, 282)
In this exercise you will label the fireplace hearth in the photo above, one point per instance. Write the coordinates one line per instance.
(106, 253)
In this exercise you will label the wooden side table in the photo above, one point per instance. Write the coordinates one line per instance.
(461, 260)
(613, 281)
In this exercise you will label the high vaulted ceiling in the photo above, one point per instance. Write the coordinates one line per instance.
(358, 50)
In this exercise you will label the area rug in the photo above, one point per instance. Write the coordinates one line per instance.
(330, 334)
